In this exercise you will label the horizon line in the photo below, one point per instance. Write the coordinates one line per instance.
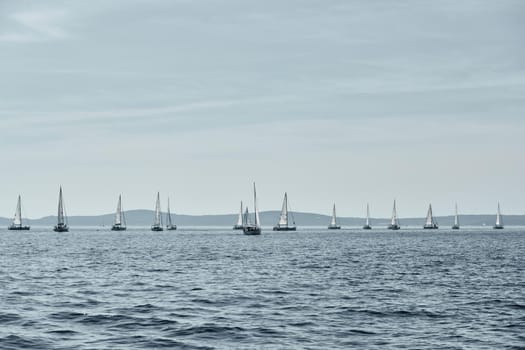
(264, 211)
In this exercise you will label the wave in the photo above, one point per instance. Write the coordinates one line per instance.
(17, 342)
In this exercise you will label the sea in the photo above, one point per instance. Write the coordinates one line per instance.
(214, 288)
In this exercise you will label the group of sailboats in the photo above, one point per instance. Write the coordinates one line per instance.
(250, 227)
(284, 223)
(157, 221)
(431, 222)
(120, 219)
(118, 225)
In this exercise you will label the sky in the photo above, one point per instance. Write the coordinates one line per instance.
(345, 101)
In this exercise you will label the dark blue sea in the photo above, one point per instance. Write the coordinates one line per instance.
(218, 289)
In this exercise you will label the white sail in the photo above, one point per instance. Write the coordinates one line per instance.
(430, 219)
(246, 218)
(118, 213)
(367, 215)
(17, 221)
(239, 220)
(394, 220)
(283, 219)
(333, 222)
(256, 209)
(168, 215)
(499, 220)
(158, 217)
(61, 214)
(456, 217)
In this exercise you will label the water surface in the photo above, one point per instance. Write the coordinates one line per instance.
(218, 289)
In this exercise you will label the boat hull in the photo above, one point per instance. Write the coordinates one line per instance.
(334, 227)
(278, 228)
(237, 227)
(118, 228)
(61, 229)
(251, 231)
(498, 227)
(156, 229)
(433, 227)
(455, 227)
(171, 228)
(367, 227)
(394, 227)
(19, 228)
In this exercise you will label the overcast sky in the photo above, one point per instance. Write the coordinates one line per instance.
(345, 101)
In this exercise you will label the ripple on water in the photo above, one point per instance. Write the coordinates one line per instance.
(24, 342)
(5, 319)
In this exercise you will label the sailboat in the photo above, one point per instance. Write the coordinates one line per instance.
(120, 220)
(283, 225)
(456, 219)
(430, 222)
(169, 224)
(367, 225)
(17, 221)
(333, 223)
(61, 225)
(394, 223)
(499, 220)
(157, 221)
(248, 227)
(239, 225)
(246, 218)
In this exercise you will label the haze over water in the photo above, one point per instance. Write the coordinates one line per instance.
(218, 289)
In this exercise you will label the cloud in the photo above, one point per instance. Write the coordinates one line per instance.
(74, 118)
(35, 26)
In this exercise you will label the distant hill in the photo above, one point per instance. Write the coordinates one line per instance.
(268, 218)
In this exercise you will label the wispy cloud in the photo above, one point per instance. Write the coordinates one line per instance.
(35, 26)
(75, 118)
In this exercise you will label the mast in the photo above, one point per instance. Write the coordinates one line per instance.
(239, 220)
(17, 221)
(334, 217)
(257, 219)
